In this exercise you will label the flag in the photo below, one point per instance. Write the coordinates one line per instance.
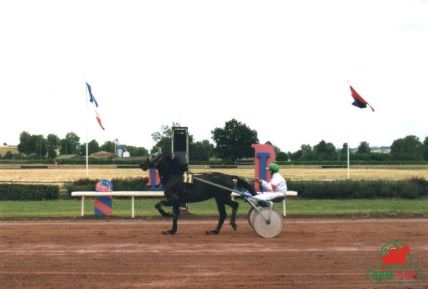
(359, 101)
(95, 103)
(97, 116)
(91, 96)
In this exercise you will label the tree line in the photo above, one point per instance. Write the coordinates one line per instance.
(409, 148)
(232, 143)
(39, 147)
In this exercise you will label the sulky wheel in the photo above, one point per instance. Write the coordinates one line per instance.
(267, 229)
(251, 214)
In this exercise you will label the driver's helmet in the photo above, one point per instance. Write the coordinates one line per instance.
(273, 167)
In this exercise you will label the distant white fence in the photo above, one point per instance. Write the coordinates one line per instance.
(145, 194)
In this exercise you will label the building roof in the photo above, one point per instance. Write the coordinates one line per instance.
(68, 157)
(102, 155)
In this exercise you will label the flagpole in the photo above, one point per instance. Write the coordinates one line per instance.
(347, 152)
(349, 173)
(87, 109)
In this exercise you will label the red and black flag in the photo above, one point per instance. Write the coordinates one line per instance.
(359, 101)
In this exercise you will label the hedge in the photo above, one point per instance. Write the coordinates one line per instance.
(412, 188)
(16, 192)
(128, 184)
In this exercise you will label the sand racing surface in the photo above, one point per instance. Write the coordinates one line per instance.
(311, 253)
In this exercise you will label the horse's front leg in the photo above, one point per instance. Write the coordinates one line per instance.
(176, 211)
(163, 213)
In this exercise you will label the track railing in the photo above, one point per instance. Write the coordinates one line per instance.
(146, 194)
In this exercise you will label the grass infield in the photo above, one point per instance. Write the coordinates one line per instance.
(295, 208)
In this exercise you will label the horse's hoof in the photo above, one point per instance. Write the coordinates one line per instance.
(234, 227)
(213, 232)
(169, 232)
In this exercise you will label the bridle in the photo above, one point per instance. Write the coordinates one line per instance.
(154, 159)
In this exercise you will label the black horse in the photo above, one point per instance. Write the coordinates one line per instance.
(196, 191)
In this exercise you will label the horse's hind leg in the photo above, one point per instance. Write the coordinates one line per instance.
(234, 205)
(222, 216)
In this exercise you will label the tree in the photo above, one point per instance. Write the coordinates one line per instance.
(363, 151)
(425, 149)
(282, 156)
(163, 140)
(198, 151)
(201, 150)
(137, 151)
(297, 155)
(234, 140)
(343, 153)
(305, 153)
(324, 151)
(39, 143)
(93, 147)
(363, 148)
(70, 144)
(108, 146)
(408, 148)
(52, 145)
(25, 145)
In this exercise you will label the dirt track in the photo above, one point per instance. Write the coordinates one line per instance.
(133, 254)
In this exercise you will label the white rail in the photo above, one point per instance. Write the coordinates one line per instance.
(144, 194)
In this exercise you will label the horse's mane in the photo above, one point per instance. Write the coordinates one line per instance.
(175, 165)
(246, 185)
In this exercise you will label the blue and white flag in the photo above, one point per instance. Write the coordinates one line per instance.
(95, 103)
(91, 96)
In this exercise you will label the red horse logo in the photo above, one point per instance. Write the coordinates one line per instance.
(395, 256)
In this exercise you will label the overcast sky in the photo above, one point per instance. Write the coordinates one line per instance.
(281, 67)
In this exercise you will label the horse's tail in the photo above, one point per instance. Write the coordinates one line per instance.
(242, 184)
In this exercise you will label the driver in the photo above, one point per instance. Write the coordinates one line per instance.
(275, 188)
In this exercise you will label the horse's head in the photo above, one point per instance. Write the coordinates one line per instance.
(152, 162)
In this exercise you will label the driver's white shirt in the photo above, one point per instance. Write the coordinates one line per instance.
(276, 184)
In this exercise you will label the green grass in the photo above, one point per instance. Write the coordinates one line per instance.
(358, 207)
(295, 207)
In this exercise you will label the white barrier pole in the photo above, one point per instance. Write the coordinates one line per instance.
(143, 194)
(284, 212)
(133, 207)
(82, 213)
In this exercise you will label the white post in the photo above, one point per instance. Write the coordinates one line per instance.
(133, 207)
(87, 109)
(349, 174)
(82, 213)
(284, 212)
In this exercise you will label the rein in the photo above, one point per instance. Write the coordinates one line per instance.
(243, 194)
